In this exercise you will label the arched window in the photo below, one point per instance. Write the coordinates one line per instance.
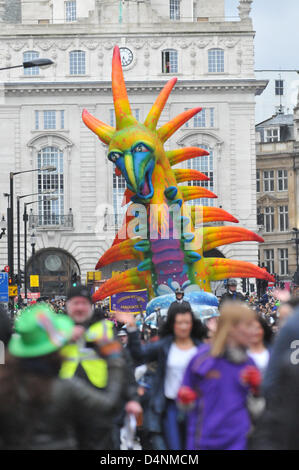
(119, 187)
(27, 56)
(77, 63)
(170, 61)
(174, 9)
(50, 211)
(204, 165)
(216, 60)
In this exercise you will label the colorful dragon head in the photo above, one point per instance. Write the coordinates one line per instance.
(137, 150)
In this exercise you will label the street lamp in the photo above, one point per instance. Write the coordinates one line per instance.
(25, 219)
(3, 226)
(42, 63)
(50, 191)
(33, 239)
(10, 211)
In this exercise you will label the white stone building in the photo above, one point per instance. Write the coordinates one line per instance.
(40, 113)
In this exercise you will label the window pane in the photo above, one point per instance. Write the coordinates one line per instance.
(49, 119)
(170, 61)
(27, 57)
(174, 6)
(205, 165)
(216, 60)
(50, 212)
(70, 11)
(77, 63)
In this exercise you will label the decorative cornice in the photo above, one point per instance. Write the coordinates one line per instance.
(92, 87)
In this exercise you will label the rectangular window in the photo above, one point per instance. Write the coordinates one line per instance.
(62, 119)
(258, 181)
(269, 260)
(283, 218)
(272, 135)
(77, 63)
(27, 57)
(36, 120)
(269, 219)
(205, 165)
(278, 87)
(49, 119)
(70, 11)
(282, 180)
(283, 257)
(119, 186)
(203, 119)
(216, 60)
(268, 178)
(170, 61)
(259, 216)
(174, 6)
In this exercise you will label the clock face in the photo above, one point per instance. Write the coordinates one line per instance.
(53, 263)
(126, 56)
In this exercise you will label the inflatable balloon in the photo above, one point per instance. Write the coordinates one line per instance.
(169, 239)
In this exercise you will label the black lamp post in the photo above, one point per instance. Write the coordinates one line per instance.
(33, 243)
(296, 240)
(42, 63)
(25, 219)
(10, 211)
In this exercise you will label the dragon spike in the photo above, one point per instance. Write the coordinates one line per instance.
(122, 251)
(222, 268)
(128, 194)
(103, 131)
(205, 214)
(189, 175)
(166, 131)
(123, 282)
(155, 113)
(218, 236)
(123, 113)
(195, 192)
(186, 153)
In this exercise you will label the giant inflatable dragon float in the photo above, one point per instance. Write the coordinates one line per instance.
(174, 234)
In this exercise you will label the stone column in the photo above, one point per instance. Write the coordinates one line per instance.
(2, 10)
(245, 9)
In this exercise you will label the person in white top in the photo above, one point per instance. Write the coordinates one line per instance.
(261, 336)
(180, 337)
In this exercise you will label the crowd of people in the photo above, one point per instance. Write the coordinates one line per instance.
(77, 377)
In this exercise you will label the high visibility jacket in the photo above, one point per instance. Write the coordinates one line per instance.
(75, 354)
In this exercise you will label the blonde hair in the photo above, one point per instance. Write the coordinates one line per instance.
(231, 313)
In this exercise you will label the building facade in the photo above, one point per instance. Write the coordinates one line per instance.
(280, 94)
(277, 194)
(40, 113)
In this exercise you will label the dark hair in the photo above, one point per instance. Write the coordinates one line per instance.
(32, 375)
(198, 331)
(268, 333)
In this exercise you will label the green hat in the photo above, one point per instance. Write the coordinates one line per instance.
(40, 331)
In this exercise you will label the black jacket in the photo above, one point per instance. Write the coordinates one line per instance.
(61, 421)
(230, 296)
(277, 429)
(157, 351)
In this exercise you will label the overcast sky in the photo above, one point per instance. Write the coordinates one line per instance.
(276, 23)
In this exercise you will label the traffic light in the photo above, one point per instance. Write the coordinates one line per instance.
(74, 279)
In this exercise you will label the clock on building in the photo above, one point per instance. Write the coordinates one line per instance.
(53, 263)
(126, 56)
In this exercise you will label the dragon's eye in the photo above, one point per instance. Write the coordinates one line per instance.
(113, 156)
(140, 148)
